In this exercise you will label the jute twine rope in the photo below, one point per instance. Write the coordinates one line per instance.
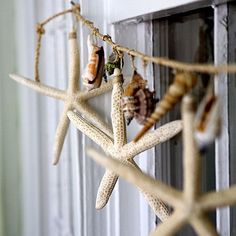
(190, 67)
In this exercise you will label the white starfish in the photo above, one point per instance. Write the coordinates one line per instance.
(73, 97)
(190, 205)
(120, 149)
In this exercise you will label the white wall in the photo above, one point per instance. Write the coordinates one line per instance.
(10, 180)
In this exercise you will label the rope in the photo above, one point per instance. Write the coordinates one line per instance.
(180, 66)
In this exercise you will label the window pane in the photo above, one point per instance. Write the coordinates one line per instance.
(189, 38)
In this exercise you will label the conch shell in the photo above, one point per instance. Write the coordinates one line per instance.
(138, 102)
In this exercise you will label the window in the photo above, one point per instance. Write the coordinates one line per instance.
(195, 32)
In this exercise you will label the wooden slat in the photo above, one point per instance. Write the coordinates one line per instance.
(221, 87)
(232, 107)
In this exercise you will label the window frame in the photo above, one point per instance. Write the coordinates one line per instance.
(221, 41)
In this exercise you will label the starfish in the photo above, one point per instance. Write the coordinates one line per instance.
(190, 205)
(73, 97)
(120, 149)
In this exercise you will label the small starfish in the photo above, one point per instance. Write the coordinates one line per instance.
(73, 97)
(120, 149)
(190, 205)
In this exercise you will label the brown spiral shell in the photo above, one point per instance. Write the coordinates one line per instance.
(183, 83)
(146, 105)
(137, 102)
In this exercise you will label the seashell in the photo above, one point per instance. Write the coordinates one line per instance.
(130, 106)
(136, 83)
(146, 103)
(92, 77)
(137, 102)
(114, 61)
(182, 84)
(207, 121)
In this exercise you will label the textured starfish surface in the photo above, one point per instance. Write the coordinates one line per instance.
(120, 149)
(190, 205)
(73, 97)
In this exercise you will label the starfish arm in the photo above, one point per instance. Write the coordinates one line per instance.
(117, 116)
(159, 207)
(94, 118)
(60, 135)
(105, 189)
(212, 200)
(108, 183)
(136, 177)
(41, 88)
(203, 226)
(90, 130)
(153, 138)
(105, 87)
(191, 157)
(74, 66)
(169, 227)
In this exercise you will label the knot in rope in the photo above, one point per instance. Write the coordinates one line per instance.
(75, 7)
(106, 37)
(40, 29)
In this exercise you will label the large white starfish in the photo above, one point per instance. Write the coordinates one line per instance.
(190, 205)
(73, 97)
(120, 149)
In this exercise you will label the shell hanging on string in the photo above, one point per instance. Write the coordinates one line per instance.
(182, 84)
(137, 102)
(207, 122)
(92, 77)
(114, 61)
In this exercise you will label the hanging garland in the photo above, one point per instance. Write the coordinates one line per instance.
(139, 103)
(173, 64)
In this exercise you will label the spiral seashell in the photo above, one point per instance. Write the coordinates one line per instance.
(182, 84)
(137, 102)
(92, 77)
(146, 105)
(207, 121)
(136, 83)
(130, 106)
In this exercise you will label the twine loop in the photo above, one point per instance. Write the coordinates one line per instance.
(95, 31)
(106, 37)
(75, 7)
(40, 29)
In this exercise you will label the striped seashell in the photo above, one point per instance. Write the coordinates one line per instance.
(130, 106)
(146, 103)
(129, 103)
(136, 83)
(137, 102)
(92, 77)
(207, 121)
(182, 84)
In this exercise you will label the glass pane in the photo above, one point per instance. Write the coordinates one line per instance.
(185, 37)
